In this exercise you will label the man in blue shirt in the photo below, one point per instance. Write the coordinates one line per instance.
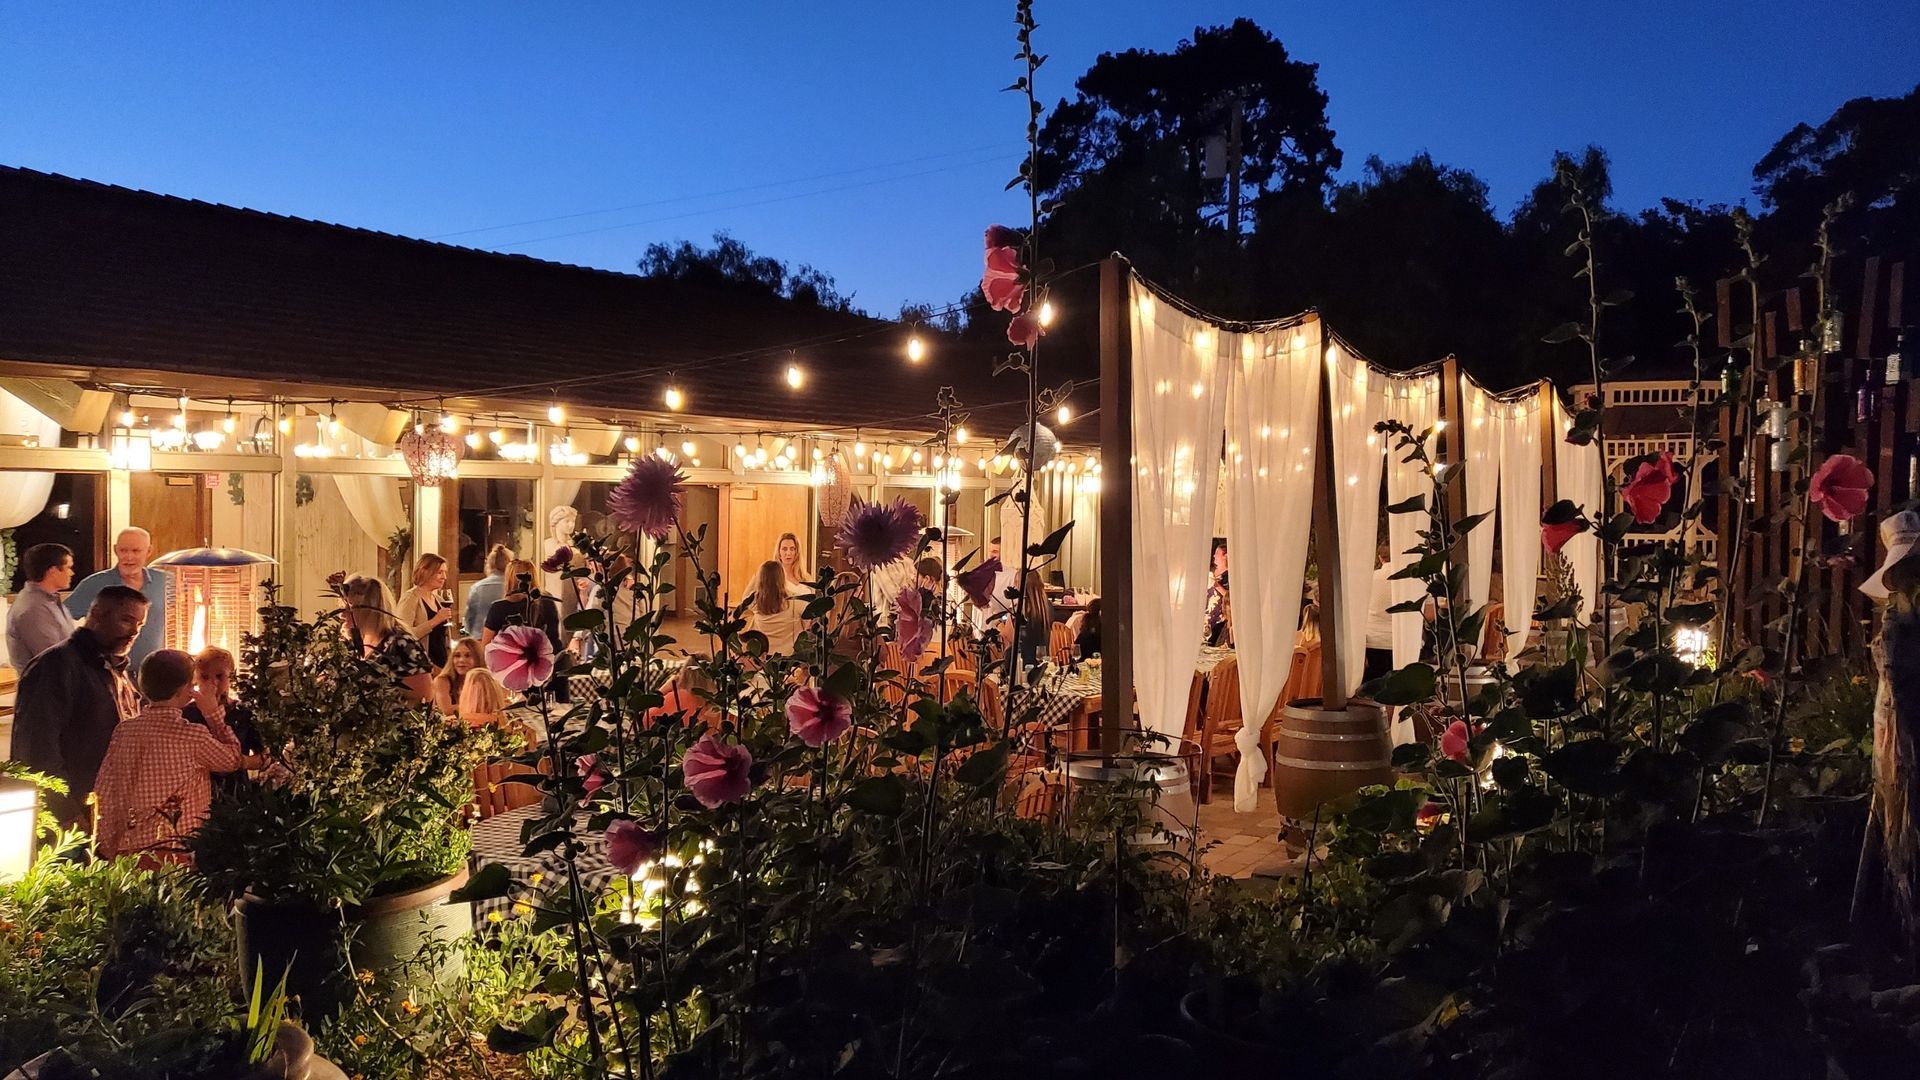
(485, 591)
(131, 551)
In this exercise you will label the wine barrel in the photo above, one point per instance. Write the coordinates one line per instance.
(1477, 678)
(1320, 754)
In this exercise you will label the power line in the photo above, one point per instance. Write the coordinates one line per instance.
(723, 191)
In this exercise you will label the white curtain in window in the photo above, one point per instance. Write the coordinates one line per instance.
(1357, 466)
(1179, 411)
(1520, 514)
(25, 494)
(1482, 444)
(1578, 476)
(374, 501)
(1272, 406)
(1416, 403)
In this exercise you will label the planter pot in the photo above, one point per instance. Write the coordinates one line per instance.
(1321, 754)
(293, 1059)
(320, 948)
(1224, 1045)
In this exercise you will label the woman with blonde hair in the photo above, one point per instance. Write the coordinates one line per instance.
(792, 577)
(483, 700)
(426, 609)
(774, 612)
(382, 638)
(463, 659)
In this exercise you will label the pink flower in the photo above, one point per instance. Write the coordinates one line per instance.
(1556, 535)
(522, 657)
(1453, 742)
(978, 582)
(717, 773)
(650, 499)
(561, 558)
(817, 716)
(1839, 487)
(1024, 331)
(1652, 484)
(592, 776)
(875, 534)
(911, 627)
(999, 236)
(631, 844)
(1003, 293)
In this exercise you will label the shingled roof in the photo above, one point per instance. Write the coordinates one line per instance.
(97, 277)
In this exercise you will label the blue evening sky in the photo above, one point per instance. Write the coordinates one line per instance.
(868, 139)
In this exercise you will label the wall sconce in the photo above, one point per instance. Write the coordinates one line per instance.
(19, 812)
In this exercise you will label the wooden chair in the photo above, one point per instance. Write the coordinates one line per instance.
(1303, 679)
(1060, 643)
(492, 796)
(1220, 721)
(1493, 636)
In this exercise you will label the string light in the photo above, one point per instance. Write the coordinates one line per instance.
(556, 414)
(796, 378)
(285, 425)
(633, 444)
(687, 447)
(674, 397)
(126, 418)
(449, 423)
(1046, 313)
(960, 435)
(473, 440)
(916, 349)
(1063, 415)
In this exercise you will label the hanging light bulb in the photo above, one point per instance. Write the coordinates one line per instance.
(1063, 415)
(796, 378)
(180, 417)
(739, 449)
(556, 414)
(632, 444)
(473, 440)
(916, 457)
(333, 425)
(496, 437)
(960, 435)
(126, 418)
(859, 449)
(687, 447)
(818, 454)
(674, 397)
(916, 349)
(1046, 313)
(285, 425)
(229, 425)
(449, 423)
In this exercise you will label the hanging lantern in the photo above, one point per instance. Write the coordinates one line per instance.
(210, 597)
(431, 454)
(836, 490)
(1046, 446)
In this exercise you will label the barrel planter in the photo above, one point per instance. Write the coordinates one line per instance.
(320, 947)
(1478, 679)
(1164, 780)
(1321, 754)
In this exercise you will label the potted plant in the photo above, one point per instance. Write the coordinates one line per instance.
(344, 859)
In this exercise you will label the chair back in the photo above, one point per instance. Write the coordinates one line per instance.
(1060, 643)
(1196, 700)
(1222, 710)
(1493, 636)
(1303, 678)
(491, 795)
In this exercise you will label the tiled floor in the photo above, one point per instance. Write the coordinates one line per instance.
(1241, 845)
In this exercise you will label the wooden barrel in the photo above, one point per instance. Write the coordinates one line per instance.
(1477, 678)
(1321, 754)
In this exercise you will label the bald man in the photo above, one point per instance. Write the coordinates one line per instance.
(131, 551)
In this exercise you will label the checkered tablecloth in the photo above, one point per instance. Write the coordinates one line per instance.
(498, 840)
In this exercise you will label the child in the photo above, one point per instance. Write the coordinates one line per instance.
(156, 781)
(483, 700)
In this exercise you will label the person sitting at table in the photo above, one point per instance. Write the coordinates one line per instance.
(1220, 619)
(483, 699)
(1087, 642)
(774, 613)
(462, 659)
(382, 639)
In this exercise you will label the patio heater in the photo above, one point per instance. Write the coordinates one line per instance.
(210, 597)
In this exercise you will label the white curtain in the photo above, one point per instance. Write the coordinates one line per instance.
(1483, 486)
(1357, 465)
(24, 494)
(1578, 475)
(1520, 514)
(374, 501)
(1416, 403)
(1179, 411)
(1272, 407)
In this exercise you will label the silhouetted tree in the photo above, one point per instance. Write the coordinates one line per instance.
(731, 263)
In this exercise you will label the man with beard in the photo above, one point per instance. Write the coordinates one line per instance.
(73, 695)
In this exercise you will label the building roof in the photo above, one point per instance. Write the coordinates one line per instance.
(101, 278)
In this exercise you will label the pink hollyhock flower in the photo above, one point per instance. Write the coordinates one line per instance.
(1003, 261)
(631, 845)
(875, 534)
(522, 657)
(1652, 484)
(650, 499)
(999, 236)
(1003, 293)
(1024, 331)
(978, 582)
(817, 716)
(1839, 487)
(911, 627)
(717, 773)
(561, 558)
(1453, 742)
(1556, 536)
(592, 776)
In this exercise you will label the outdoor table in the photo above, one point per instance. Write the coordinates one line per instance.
(497, 840)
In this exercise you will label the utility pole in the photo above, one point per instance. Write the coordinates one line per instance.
(1234, 116)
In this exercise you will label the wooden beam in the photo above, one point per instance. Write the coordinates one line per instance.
(1116, 503)
(65, 403)
(1326, 541)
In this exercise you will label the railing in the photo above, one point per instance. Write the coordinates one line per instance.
(1653, 392)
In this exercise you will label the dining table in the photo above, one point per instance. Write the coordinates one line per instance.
(500, 839)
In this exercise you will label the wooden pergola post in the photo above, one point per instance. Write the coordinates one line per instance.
(1116, 504)
(1326, 538)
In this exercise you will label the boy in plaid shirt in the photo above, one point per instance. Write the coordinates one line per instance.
(156, 782)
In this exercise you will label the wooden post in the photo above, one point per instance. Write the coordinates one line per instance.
(1116, 503)
(1452, 446)
(1326, 541)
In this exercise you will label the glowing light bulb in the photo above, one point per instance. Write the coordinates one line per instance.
(960, 435)
(473, 440)
(556, 414)
(229, 424)
(449, 423)
(916, 349)
(333, 426)
(1202, 339)
(688, 447)
(675, 399)
(818, 454)
(916, 457)
(1064, 415)
(740, 449)
(496, 436)
(1046, 313)
(795, 377)
(859, 449)
(285, 425)
(632, 443)
(126, 418)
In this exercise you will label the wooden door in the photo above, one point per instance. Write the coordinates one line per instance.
(174, 507)
(752, 517)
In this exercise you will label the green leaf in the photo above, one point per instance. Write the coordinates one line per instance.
(883, 795)
(586, 619)
(1051, 545)
(1388, 811)
(490, 882)
(1585, 767)
(533, 1034)
(1413, 504)
(844, 682)
(1563, 333)
(1560, 513)
(986, 769)
(1546, 693)
(1466, 524)
(1617, 297)
(1409, 685)
(1690, 614)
